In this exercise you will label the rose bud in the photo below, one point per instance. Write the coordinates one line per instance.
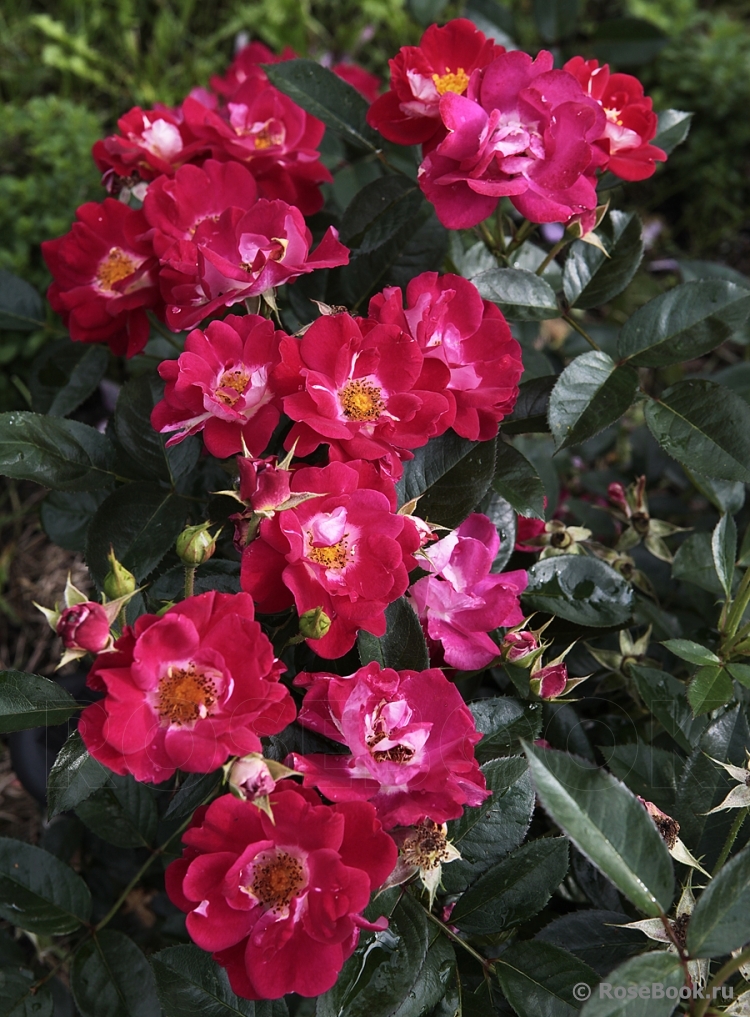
(252, 779)
(519, 645)
(84, 627)
(314, 624)
(264, 485)
(118, 582)
(195, 545)
(550, 682)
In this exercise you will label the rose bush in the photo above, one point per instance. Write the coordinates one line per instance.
(375, 501)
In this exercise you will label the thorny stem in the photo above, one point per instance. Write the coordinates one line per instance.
(582, 331)
(739, 819)
(719, 978)
(679, 947)
(486, 964)
(189, 581)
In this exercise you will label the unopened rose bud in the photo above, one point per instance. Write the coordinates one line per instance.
(550, 682)
(118, 582)
(250, 778)
(518, 645)
(314, 624)
(616, 494)
(84, 627)
(195, 545)
(263, 484)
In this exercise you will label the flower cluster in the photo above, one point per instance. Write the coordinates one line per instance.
(500, 124)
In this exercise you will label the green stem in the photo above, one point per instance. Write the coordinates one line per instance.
(718, 980)
(489, 241)
(500, 221)
(189, 581)
(552, 254)
(739, 819)
(524, 231)
(739, 606)
(486, 965)
(581, 331)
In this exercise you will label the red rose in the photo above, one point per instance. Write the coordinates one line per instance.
(454, 326)
(247, 65)
(84, 626)
(188, 689)
(409, 113)
(150, 142)
(279, 902)
(104, 276)
(223, 386)
(347, 552)
(411, 738)
(366, 391)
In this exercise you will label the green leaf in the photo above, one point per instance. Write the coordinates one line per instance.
(430, 463)
(724, 551)
(704, 426)
(503, 722)
(741, 673)
(580, 589)
(530, 412)
(538, 979)
(64, 375)
(401, 972)
(694, 563)
(123, 812)
(402, 647)
(74, 776)
(673, 129)
(720, 922)
(66, 516)
(112, 978)
(555, 19)
(666, 698)
(16, 999)
(517, 481)
(663, 969)
(710, 688)
(485, 833)
(607, 824)
(195, 790)
(62, 454)
(503, 516)
(514, 889)
(458, 492)
(38, 892)
(590, 278)
(21, 307)
(591, 393)
(596, 937)
(520, 295)
(684, 323)
(218, 574)
(142, 522)
(143, 447)
(28, 700)
(376, 213)
(690, 270)
(693, 652)
(320, 92)
(191, 984)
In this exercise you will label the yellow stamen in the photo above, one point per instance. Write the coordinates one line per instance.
(114, 268)
(278, 881)
(361, 401)
(450, 82)
(185, 694)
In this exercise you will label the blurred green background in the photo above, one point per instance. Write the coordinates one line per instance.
(69, 68)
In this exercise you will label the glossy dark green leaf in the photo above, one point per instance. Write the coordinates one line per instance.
(710, 688)
(401, 972)
(538, 979)
(38, 892)
(430, 463)
(596, 937)
(520, 295)
(590, 394)
(530, 412)
(122, 812)
(502, 514)
(666, 698)
(683, 323)
(591, 277)
(690, 270)
(112, 978)
(74, 776)
(648, 771)
(673, 129)
(62, 454)
(145, 456)
(458, 492)
(720, 922)
(191, 984)
(517, 481)
(485, 833)
(402, 647)
(691, 651)
(663, 969)
(503, 722)
(64, 375)
(16, 999)
(555, 19)
(694, 563)
(724, 551)
(626, 42)
(21, 307)
(513, 889)
(704, 426)
(28, 700)
(580, 589)
(741, 673)
(195, 789)
(607, 824)
(424, 251)
(66, 516)
(377, 212)
(141, 521)
(327, 97)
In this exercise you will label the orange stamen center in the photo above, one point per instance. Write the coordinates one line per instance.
(235, 382)
(278, 881)
(114, 268)
(450, 82)
(331, 557)
(185, 695)
(361, 401)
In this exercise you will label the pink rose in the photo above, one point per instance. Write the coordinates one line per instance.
(550, 682)
(84, 627)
